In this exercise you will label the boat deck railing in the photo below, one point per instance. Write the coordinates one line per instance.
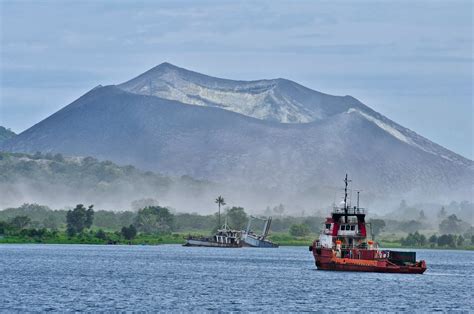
(350, 211)
(346, 247)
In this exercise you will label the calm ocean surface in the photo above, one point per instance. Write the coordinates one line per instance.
(171, 277)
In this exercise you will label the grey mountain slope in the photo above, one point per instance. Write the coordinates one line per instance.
(277, 100)
(223, 146)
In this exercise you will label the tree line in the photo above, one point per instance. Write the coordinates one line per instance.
(442, 241)
(39, 221)
(44, 217)
(149, 218)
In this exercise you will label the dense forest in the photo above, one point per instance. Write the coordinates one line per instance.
(41, 216)
(149, 223)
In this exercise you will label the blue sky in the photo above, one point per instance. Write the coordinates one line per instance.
(410, 60)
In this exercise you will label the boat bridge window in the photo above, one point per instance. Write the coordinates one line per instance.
(347, 227)
(328, 226)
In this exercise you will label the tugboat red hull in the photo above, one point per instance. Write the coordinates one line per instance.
(376, 269)
(326, 261)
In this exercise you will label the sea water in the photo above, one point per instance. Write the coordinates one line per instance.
(175, 278)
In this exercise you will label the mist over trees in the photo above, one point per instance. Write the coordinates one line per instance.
(299, 230)
(20, 222)
(144, 202)
(453, 225)
(377, 226)
(60, 181)
(237, 218)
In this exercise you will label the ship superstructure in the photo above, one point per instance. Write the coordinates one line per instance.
(253, 239)
(224, 237)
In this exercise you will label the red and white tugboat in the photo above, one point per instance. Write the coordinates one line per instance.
(343, 246)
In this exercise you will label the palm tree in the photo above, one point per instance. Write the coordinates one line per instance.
(220, 202)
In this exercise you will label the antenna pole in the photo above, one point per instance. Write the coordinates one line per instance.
(345, 199)
(345, 193)
(358, 192)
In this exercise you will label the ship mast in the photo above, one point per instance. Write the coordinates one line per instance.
(358, 192)
(345, 199)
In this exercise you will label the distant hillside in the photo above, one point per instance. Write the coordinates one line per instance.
(64, 181)
(5, 134)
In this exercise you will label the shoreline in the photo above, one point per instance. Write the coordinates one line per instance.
(158, 243)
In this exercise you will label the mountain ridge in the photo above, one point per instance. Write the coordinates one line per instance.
(349, 102)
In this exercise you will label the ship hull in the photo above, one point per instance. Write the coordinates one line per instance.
(376, 269)
(204, 243)
(254, 242)
(325, 260)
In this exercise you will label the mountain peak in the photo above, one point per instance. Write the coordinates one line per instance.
(167, 66)
(161, 69)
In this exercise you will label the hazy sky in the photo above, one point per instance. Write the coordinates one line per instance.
(410, 60)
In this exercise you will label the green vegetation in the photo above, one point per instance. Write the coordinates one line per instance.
(425, 224)
(78, 219)
(79, 228)
(454, 234)
(237, 218)
(220, 202)
(91, 237)
(154, 220)
(33, 223)
(287, 239)
(129, 232)
(299, 230)
(444, 241)
(20, 222)
(154, 224)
